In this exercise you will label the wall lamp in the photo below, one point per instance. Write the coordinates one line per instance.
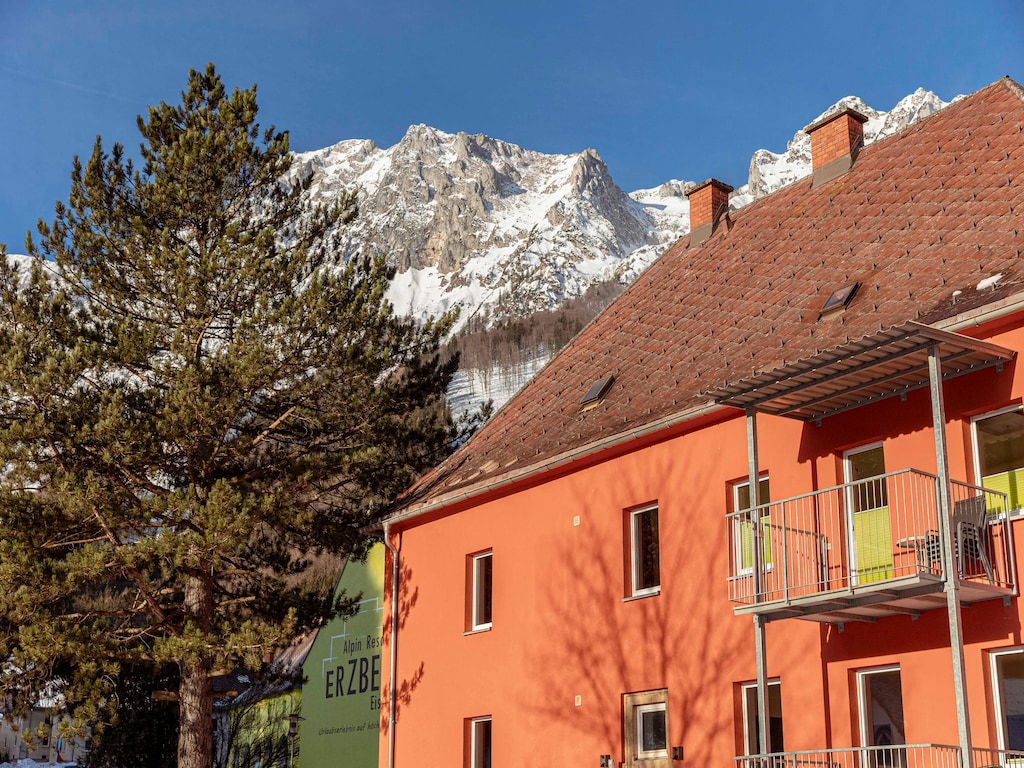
(606, 761)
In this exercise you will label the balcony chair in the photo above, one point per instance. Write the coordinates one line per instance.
(970, 539)
(971, 535)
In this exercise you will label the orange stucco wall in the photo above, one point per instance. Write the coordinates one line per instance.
(562, 630)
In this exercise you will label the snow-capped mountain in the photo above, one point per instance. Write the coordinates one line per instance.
(492, 227)
(502, 231)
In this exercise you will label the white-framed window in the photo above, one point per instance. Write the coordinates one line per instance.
(1008, 696)
(744, 529)
(880, 713)
(998, 438)
(481, 591)
(645, 557)
(751, 726)
(652, 731)
(646, 729)
(480, 742)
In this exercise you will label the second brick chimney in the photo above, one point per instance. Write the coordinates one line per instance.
(835, 142)
(709, 201)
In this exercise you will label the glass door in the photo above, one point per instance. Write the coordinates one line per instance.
(1008, 679)
(868, 525)
(880, 704)
(751, 726)
(999, 453)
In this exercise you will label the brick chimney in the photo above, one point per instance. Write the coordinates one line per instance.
(835, 142)
(709, 201)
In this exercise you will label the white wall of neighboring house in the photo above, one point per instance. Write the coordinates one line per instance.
(53, 747)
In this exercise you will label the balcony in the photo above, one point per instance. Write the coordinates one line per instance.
(895, 756)
(868, 549)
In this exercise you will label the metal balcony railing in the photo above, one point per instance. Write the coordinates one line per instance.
(895, 756)
(862, 534)
(991, 758)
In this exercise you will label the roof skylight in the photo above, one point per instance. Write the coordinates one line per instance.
(839, 298)
(596, 392)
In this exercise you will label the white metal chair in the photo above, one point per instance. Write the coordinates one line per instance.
(970, 530)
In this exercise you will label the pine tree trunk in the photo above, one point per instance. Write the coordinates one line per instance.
(195, 695)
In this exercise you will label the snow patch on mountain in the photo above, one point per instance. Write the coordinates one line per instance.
(770, 171)
(489, 227)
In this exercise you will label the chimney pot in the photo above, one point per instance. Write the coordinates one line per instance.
(709, 201)
(835, 142)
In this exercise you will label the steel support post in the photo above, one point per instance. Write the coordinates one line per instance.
(945, 511)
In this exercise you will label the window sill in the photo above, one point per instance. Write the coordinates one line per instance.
(477, 631)
(642, 595)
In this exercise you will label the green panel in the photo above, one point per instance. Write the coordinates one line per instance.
(1011, 483)
(746, 548)
(342, 692)
(873, 541)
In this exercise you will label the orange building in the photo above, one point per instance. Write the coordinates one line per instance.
(769, 501)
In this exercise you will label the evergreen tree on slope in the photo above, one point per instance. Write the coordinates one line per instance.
(193, 410)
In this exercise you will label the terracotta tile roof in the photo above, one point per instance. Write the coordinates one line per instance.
(932, 210)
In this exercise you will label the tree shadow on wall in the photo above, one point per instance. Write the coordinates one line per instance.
(407, 599)
(599, 646)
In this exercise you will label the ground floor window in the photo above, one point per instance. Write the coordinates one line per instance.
(646, 729)
(751, 729)
(880, 703)
(1008, 685)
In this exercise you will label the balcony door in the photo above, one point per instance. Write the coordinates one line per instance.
(751, 729)
(999, 453)
(868, 526)
(1008, 682)
(880, 705)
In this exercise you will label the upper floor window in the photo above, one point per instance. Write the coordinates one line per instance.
(999, 453)
(480, 593)
(744, 529)
(867, 498)
(644, 551)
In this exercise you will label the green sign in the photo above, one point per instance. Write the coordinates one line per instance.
(341, 693)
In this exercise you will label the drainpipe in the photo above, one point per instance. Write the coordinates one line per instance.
(393, 671)
(949, 564)
(756, 544)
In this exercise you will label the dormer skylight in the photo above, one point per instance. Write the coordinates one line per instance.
(596, 392)
(839, 299)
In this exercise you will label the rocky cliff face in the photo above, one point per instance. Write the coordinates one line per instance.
(490, 226)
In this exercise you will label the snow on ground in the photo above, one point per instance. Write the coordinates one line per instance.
(473, 387)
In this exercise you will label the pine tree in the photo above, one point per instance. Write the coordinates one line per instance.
(196, 403)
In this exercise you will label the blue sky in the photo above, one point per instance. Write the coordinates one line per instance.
(661, 89)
